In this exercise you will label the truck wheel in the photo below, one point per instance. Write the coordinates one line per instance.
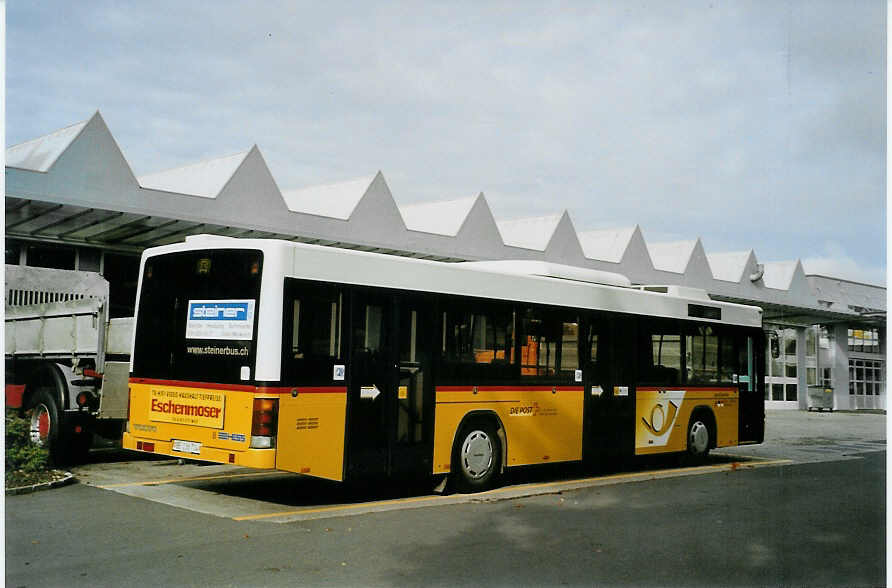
(476, 457)
(45, 420)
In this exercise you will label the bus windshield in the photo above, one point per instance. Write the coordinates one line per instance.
(197, 316)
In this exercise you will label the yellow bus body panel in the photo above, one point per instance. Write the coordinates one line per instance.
(311, 433)
(662, 417)
(220, 435)
(540, 426)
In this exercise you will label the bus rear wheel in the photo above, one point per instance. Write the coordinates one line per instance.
(699, 437)
(476, 457)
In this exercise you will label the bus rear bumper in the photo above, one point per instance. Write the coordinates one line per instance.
(251, 458)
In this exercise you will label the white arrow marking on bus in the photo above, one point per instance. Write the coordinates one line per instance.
(367, 392)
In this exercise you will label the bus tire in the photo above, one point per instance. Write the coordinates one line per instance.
(700, 435)
(476, 456)
(46, 422)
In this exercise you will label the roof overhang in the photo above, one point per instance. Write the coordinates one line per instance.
(66, 224)
(803, 316)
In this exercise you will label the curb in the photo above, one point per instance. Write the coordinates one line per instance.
(68, 478)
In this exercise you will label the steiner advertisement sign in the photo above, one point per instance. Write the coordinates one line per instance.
(220, 319)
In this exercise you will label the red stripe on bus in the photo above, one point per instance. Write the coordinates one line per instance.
(14, 394)
(242, 387)
(302, 390)
(686, 388)
(509, 388)
(186, 384)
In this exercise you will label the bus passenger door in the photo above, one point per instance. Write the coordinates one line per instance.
(598, 388)
(313, 409)
(751, 407)
(371, 382)
(411, 436)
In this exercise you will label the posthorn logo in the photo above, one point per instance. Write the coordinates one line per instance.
(661, 420)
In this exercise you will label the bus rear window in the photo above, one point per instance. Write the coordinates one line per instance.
(197, 316)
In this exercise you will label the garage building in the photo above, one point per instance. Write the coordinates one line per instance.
(73, 202)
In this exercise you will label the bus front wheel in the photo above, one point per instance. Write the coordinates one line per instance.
(476, 457)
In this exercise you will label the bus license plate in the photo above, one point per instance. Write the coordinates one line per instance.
(187, 446)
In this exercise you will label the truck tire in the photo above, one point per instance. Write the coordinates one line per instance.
(46, 422)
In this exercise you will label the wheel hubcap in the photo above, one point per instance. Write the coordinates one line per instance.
(40, 424)
(699, 437)
(476, 455)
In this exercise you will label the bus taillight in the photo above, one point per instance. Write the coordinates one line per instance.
(264, 423)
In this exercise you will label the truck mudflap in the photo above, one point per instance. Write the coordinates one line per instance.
(113, 396)
(14, 395)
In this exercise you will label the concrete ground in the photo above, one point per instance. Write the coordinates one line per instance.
(805, 524)
(816, 436)
(244, 494)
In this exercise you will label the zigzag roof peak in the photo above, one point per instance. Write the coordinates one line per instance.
(729, 266)
(606, 244)
(529, 233)
(444, 217)
(672, 256)
(41, 153)
(205, 178)
(337, 200)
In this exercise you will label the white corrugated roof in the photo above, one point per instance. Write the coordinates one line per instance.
(332, 200)
(205, 179)
(529, 233)
(606, 244)
(779, 274)
(845, 293)
(440, 218)
(728, 266)
(672, 256)
(41, 153)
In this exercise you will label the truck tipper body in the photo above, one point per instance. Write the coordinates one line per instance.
(67, 363)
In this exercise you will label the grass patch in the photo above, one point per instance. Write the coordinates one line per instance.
(26, 463)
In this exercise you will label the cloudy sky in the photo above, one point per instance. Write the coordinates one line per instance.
(750, 124)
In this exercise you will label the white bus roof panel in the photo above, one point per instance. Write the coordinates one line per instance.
(481, 280)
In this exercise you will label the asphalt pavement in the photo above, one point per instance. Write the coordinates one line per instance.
(817, 520)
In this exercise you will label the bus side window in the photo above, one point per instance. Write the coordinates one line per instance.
(745, 362)
(660, 354)
(311, 327)
(729, 343)
(570, 347)
(485, 336)
(549, 344)
(594, 348)
(315, 327)
(539, 343)
(701, 355)
(593, 343)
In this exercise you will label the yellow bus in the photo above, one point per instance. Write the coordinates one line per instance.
(340, 364)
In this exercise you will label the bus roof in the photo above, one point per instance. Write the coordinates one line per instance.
(516, 280)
